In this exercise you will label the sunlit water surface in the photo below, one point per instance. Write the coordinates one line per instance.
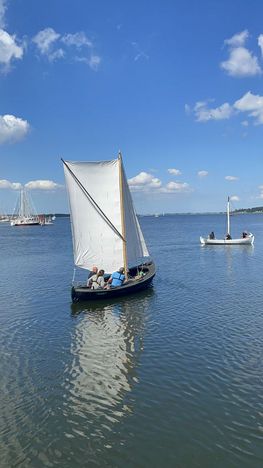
(171, 377)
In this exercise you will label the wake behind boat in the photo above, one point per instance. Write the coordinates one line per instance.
(105, 228)
(246, 239)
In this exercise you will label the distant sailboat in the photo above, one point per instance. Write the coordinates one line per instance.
(246, 239)
(24, 212)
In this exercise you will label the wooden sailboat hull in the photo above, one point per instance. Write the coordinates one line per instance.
(83, 293)
(249, 240)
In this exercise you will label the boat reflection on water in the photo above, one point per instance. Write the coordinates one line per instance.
(226, 254)
(107, 343)
(242, 252)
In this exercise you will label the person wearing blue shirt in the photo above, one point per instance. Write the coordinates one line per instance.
(117, 278)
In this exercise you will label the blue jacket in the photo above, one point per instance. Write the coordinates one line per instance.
(117, 279)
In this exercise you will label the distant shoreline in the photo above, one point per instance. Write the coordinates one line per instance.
(206, 213)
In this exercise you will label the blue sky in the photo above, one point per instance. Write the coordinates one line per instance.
(177, 86)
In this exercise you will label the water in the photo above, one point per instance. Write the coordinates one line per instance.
(170, 377)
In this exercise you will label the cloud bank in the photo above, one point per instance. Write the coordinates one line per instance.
(45, 185)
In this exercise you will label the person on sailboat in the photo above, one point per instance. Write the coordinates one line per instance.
(116, 279)
(94, 271)
(228, 237)
(97, 281)
(211, 235)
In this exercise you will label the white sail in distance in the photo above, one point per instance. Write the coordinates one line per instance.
(97, 213)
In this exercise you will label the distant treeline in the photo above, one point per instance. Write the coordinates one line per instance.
(256, 209)
(61, 215)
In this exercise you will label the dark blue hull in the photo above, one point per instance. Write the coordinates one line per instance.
(83, 293)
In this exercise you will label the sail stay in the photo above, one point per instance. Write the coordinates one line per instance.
(97, 217)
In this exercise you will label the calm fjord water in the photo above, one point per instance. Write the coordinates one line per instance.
(171, 377)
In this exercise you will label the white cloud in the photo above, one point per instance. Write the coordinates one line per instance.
(42, 185)
(202, 173)
(93, 61)
(238, 39)
(144, 181)
(176, 187)
(9, 49)
(176, 172)
(260, 43)
(5, 184)
(241, 62)
(2, 13)
(56, 55)
(12, 128)
(234, 198)
(78, 39)
(230, 177)
(45, 40)
(203, 113)
(253, 104)
(54, 46)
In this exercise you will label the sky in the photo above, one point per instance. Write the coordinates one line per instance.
(176, 86)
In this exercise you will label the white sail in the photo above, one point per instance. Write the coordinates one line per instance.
(96, 216)
(136, 246)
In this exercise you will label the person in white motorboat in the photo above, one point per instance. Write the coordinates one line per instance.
(97, 281)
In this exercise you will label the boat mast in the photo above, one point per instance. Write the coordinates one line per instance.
(228, 215)
(123, 227)
(22, 203)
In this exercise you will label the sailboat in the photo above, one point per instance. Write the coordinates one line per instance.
(246, 239)
(105, 228)
(24, 213)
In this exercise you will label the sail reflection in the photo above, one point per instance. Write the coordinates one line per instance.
(107, 343)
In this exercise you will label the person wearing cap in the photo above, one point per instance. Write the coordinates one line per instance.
(116, 279)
